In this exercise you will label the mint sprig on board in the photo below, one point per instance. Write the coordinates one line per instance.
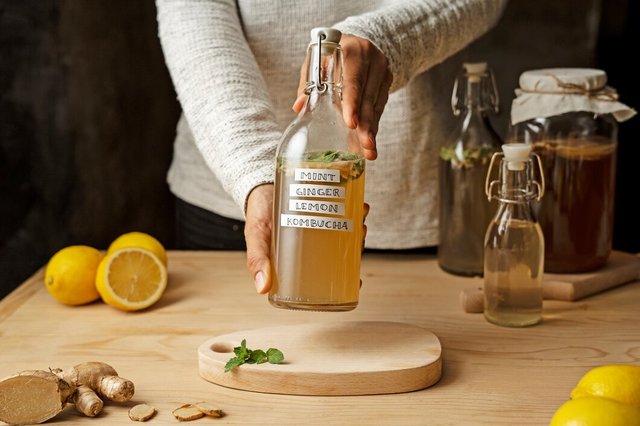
(244, 355)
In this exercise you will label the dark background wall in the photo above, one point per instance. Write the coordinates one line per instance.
(87, 118)
(87, 114)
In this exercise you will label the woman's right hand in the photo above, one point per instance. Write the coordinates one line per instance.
(365, 91)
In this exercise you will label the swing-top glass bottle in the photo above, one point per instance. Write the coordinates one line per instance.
(464, 214)
(319, 194)
(514, 244)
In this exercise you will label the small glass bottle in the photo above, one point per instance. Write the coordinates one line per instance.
(464, 214)
(319, 194)
(514, 245)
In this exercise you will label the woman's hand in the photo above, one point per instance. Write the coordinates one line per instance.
(258, 229)
(365, 91)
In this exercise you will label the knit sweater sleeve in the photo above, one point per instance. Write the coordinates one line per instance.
(221, 91)
(415, 35)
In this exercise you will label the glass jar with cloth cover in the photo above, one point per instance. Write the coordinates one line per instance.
(571, 116)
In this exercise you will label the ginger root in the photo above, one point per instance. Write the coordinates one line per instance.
(100, 377)
(187, 413)
(32, 396)
(35, 396)
(141, 412)
(208, 409)
(86, 401)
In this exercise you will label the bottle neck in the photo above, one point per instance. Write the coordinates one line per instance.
(515, 195)
(324, 75)
(474, 102)
(474, 94)
(516, 191)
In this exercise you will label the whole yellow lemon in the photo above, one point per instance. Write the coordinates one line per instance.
(71, 273)
(596, 411)
(139, 240)
(620, 382)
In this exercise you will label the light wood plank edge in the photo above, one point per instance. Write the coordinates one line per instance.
(316, 384)
(21, 295)
(623, 269)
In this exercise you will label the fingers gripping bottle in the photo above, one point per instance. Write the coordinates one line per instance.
(514, 245)
(319, 194)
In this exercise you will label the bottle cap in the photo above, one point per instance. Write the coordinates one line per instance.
(563, 80)
(475, 67)
(516, 154)
(555, 91)
(331, 35)
(475, 70)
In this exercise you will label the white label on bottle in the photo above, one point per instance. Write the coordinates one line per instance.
(316, 222)
(317, 175)
(325, 207)
(316, 191)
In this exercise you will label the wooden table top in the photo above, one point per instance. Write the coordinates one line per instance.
(491, 375)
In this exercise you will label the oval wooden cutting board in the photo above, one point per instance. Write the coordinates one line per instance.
(334, 358)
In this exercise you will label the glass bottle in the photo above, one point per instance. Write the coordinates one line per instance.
(570, 117)
(514, 244)
(319, 194)
(464, 213)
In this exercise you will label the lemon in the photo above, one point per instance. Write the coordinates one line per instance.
(139, 240)
(620, 382)
(131, 279)
(596, 411)
(70, 275)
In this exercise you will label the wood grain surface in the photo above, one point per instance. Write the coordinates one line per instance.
(329, 358)
(491, 375)
(622, 268)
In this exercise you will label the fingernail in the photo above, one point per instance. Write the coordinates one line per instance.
(260, 281)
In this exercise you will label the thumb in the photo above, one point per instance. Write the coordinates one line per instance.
(257, 233)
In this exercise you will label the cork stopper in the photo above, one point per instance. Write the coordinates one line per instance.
(475, 70)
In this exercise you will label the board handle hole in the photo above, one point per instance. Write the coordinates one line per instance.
(222, 347)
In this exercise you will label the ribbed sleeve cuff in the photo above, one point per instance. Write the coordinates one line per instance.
(249, 180)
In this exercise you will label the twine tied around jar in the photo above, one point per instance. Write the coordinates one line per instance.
(605, 93)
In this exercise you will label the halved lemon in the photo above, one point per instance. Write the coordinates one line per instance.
(139, 240)
(131, 279)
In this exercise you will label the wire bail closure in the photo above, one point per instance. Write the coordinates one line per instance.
(323, 71)
(489, 184)
(322, 87)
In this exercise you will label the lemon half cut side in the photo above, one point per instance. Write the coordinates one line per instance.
(139, 240)
(131, 279)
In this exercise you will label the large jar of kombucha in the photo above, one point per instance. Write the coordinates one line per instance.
(571, 116)
(319, 194)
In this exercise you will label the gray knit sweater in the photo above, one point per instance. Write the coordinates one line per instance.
(235, 66)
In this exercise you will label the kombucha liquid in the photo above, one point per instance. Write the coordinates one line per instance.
(513, 278)
(465, 214)
(317, 237)
(576, 212)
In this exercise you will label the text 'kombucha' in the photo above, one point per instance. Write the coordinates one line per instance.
(317, 238)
